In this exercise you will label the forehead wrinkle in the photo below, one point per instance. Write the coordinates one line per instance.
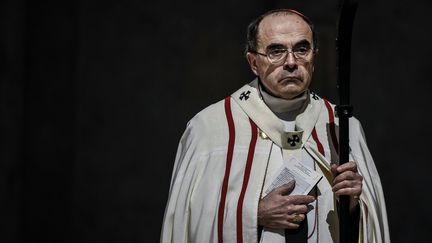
(283, 29)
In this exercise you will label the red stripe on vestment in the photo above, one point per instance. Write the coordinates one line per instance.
(332, 126)
(246, 176)
(317, 141)
(229, 157)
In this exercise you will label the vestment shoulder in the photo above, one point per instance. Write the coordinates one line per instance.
(206, 116)
(208, 122)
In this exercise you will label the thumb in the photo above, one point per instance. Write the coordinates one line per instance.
(286, 189)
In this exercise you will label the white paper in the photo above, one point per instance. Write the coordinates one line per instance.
(305, 177)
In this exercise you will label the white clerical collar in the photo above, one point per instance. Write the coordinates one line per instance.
(250, 99)
(283, 108)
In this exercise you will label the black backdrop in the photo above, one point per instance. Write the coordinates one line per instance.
(95, 96)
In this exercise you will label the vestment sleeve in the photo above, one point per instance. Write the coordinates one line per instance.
(373, 216)
(175, 223)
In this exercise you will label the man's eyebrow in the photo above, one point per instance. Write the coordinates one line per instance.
(273, 46)
(303, 42)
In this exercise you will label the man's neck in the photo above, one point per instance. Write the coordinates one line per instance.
(285, 109)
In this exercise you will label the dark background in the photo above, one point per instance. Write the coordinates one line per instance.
(95, 95)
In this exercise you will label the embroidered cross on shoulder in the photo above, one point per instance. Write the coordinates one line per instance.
(244, 95)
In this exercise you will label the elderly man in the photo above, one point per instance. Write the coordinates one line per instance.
(229, 182)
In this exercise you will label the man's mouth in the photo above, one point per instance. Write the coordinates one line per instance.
(291, 79)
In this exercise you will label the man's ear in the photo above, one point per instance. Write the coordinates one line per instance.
(315, 53)
(251, 58)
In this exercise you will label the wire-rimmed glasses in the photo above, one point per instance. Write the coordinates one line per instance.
(279, 55)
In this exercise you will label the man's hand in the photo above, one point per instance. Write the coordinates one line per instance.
(278, 210)
(347, 181)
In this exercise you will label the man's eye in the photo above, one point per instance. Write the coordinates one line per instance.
(277, 52)
(302, 50)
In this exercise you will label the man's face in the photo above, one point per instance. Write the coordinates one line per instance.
(292, 77)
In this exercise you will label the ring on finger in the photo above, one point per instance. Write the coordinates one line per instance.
(297, 218)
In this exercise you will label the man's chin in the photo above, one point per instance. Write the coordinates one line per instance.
(292, 92)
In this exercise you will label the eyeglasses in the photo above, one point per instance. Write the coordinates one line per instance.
(279, 55)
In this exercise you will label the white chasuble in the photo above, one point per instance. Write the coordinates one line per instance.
(229, 153)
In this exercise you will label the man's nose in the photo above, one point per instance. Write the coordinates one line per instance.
(290, 62)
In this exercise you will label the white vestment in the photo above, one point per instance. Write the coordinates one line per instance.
(230, 153)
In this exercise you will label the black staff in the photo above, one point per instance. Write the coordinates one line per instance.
(344, 109)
